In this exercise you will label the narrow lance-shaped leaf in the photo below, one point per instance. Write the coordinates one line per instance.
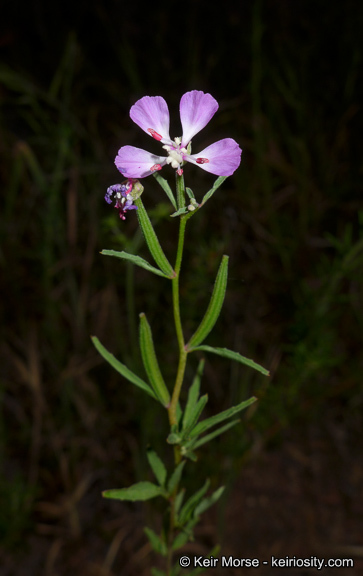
(192, 502)
(140, 491)
(185, 535)
(152, 240)
(122, 369)
(215, 305)
(195, 444)
(156, 542)
(165, 186)
(137, 260)
(208, 502)
(232, 356)
(215, 187)
(150, 362)
(195, 413)
(175, 477)
(157, 466)
(213, 420)
(193, 395)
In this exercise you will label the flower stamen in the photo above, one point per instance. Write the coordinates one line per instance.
(154, 134)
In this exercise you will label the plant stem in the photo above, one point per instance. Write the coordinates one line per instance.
(172, 410)
(178, 325)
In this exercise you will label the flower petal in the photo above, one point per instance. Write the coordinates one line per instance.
(221, 158)
(196, 110)
(137, 163)
(151, 113)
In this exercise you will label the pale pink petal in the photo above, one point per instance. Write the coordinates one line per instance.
(196, 110)
(137, 163)
(221, 158)
(151, 113)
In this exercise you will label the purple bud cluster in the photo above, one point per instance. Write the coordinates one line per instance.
(120, 194)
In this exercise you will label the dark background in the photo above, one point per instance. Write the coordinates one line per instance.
(288, 79)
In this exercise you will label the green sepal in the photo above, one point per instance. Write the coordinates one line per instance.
(175, 477)
(165, 186)
(156, 542)
(137, 260)
(232, 356)
(152, 241)
(214, 308)
(194, 414)
(186, 512)
(208, 502)
(190, 193)
(157, 466)
(137, 492)
(150, 362)
(213, 420)
(193, 395)
(122, 369)
(215, 187)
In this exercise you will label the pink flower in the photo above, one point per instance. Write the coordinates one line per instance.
(151, 113)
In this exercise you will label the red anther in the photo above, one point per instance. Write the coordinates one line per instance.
(180, 172)
(155, 167)
(154, 134)
(202, 160)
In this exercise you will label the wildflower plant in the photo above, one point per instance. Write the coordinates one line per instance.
(188, 432)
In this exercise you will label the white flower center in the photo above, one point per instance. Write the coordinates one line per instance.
(175, 153)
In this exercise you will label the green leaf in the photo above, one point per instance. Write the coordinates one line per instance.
(232, 356)
(157, 466)
(152, 241)
(181, 539)
(188, 508)
(121, 368)
(175, 477)
(150, 362)
(156, 542)
(179, 212)
(213, 420)
(196, 444)
(165, 186)
(195, 413)
(174, 438)
(215, 305)
(193, 394)
(185, 535)
(215, 187)
(137, 260)
(140, 491)
(179, 500)
(190, 193)
(208, 502)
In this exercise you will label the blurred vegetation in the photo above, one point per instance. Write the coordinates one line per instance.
(289, 84)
